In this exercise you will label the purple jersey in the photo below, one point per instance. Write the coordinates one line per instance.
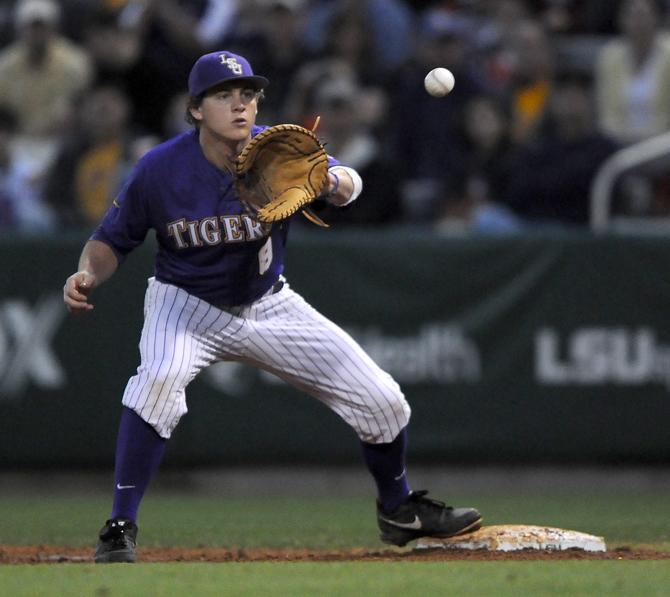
(207, 244)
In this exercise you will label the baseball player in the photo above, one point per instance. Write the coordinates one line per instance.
(218, 293)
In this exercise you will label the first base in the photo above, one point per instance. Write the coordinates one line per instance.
(517, 537)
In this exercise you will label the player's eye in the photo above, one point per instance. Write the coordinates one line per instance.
(248, 95)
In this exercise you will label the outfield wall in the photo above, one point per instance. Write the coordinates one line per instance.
(541, 348)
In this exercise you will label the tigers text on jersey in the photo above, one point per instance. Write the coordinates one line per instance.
(208, 245)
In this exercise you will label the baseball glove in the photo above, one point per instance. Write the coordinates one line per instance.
(280, 171)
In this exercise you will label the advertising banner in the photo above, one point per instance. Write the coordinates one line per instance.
(523, 349)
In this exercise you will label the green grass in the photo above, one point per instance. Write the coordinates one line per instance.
(206, 520)
(180, 519)
(404, 579)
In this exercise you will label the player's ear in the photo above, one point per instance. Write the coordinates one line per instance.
(196, 113)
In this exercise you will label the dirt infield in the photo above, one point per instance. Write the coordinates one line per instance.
(54, 554)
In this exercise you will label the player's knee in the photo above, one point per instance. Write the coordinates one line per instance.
(164, 423)
(404, 412)
(161, 410)
(391, 416)
(400, 409)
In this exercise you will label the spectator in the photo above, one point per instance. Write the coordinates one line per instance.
(426, 128)
(173, 34)
(348, 39)
(94, 161)
(21, 207)
(476, 184)
(42, 72)
(385, 27)
(347, 52)
(275, 43)
(493, 36)
(633, 75)
(531, 81)
(113, 47)
(551, 178)
(299, 104)
(346, 130)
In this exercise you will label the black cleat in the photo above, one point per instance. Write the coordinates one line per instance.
(116, 542)
(420, 516)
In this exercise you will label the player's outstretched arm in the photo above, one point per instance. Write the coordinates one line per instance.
(340, 186)
(96, 264)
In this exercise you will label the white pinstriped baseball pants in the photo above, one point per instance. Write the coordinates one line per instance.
(280, 333)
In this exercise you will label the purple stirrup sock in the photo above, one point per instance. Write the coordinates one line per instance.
(139, 451)
(386, 462)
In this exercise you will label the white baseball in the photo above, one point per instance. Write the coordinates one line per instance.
(439, 82)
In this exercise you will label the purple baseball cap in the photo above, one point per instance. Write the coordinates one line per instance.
(219, 67)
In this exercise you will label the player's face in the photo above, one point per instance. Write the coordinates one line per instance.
(228, 113)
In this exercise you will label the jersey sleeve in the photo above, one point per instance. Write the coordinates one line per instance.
(126, 223)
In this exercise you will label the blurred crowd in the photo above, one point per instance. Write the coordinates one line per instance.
(546, 91)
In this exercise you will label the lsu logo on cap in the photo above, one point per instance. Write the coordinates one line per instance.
(231, 63)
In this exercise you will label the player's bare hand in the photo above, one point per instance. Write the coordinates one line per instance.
(76, 290)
